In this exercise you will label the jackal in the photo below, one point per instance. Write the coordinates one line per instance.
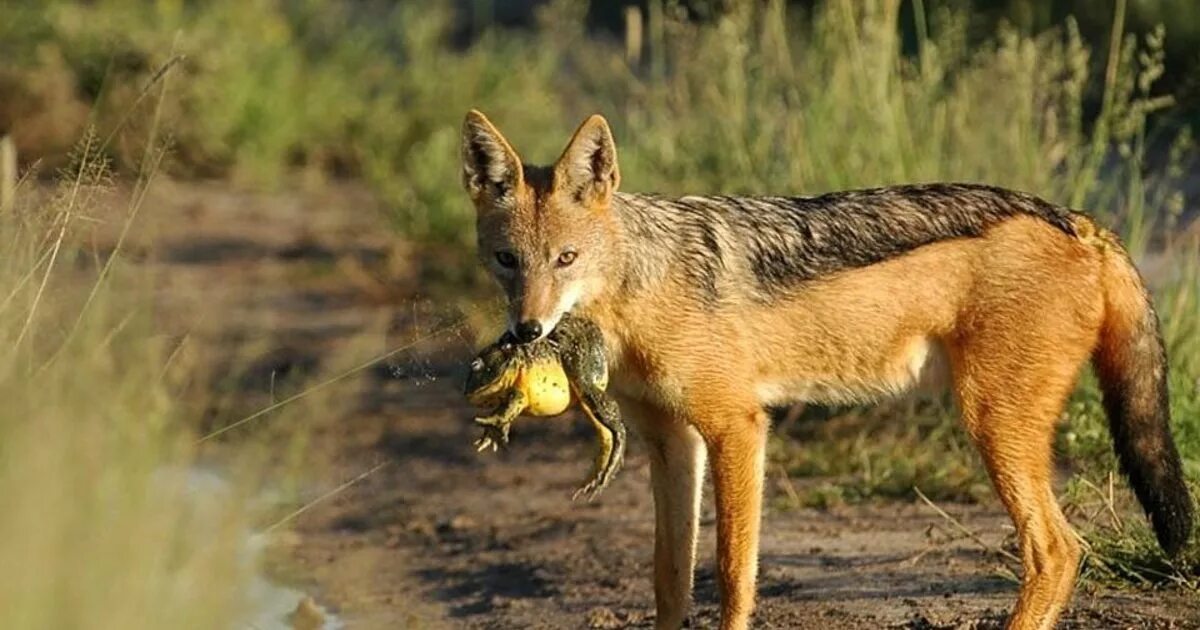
(714, 306)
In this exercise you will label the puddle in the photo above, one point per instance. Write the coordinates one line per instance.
(272, 606)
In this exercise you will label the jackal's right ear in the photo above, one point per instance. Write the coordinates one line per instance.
(490, 165)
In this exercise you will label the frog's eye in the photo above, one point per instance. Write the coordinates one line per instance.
(567, 257)
(506, 259)
(477, 365)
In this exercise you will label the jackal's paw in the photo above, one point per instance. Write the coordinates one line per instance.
(495, 434)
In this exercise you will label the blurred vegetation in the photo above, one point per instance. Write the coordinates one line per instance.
(108, 522)
(704, 97)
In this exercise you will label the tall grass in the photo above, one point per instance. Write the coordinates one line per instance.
(104, 523)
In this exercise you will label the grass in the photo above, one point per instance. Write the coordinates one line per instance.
(112, 518)
(104, 525)
(757, 99)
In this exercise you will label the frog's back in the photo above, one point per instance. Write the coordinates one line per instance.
(580, 348)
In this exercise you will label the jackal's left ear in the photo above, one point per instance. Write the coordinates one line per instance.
(588, 166)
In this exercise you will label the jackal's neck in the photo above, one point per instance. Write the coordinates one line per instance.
(643, 237)
(637, 266)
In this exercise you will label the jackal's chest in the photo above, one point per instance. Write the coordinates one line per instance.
(637, 387)
(633, 376)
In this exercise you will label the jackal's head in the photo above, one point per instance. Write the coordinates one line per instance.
(546, 233)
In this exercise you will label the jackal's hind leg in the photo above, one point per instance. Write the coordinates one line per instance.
(1014, 434)
(737, 459)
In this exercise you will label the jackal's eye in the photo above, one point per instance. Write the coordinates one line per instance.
(506, 259)
(566, 258)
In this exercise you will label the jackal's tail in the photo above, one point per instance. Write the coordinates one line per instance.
(1131, 364)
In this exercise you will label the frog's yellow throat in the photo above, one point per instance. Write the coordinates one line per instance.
(546, 386)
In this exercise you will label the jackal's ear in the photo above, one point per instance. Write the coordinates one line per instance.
(588, 166)
(490, 165)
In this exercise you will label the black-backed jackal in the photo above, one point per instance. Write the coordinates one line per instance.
(713, 307)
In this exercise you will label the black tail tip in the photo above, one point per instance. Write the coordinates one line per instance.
(1173, 525)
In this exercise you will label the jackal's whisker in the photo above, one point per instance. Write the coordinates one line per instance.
(330, 381)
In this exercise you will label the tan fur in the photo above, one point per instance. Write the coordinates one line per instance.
(695, 378)
(853, 335)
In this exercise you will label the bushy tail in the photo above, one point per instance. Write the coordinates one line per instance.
(1131, 364)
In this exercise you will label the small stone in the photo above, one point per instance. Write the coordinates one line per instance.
(603, 617)
(462, 522)
(307, 616)
(423, 528)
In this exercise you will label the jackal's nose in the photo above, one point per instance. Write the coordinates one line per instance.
(529, 331)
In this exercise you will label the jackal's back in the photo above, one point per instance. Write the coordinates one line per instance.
(775, 243)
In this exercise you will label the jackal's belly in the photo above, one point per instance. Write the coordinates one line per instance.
(546, 386)
(918, 364)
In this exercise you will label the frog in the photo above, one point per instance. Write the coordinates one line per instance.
(543, 378)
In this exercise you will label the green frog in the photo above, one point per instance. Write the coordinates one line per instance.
(543, 378)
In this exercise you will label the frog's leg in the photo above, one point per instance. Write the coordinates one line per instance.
(602, 410)
(581, 350)
(496, 426)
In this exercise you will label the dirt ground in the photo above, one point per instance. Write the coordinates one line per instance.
(443, 537)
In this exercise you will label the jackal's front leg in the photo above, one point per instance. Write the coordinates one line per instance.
(737, 450)
(677, 458)
(497, 425)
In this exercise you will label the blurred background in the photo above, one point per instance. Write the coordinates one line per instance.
(698, 90)
(239, 286)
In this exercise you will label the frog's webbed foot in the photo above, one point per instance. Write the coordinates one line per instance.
(495, 432)
(496, 426)
(606, 468)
